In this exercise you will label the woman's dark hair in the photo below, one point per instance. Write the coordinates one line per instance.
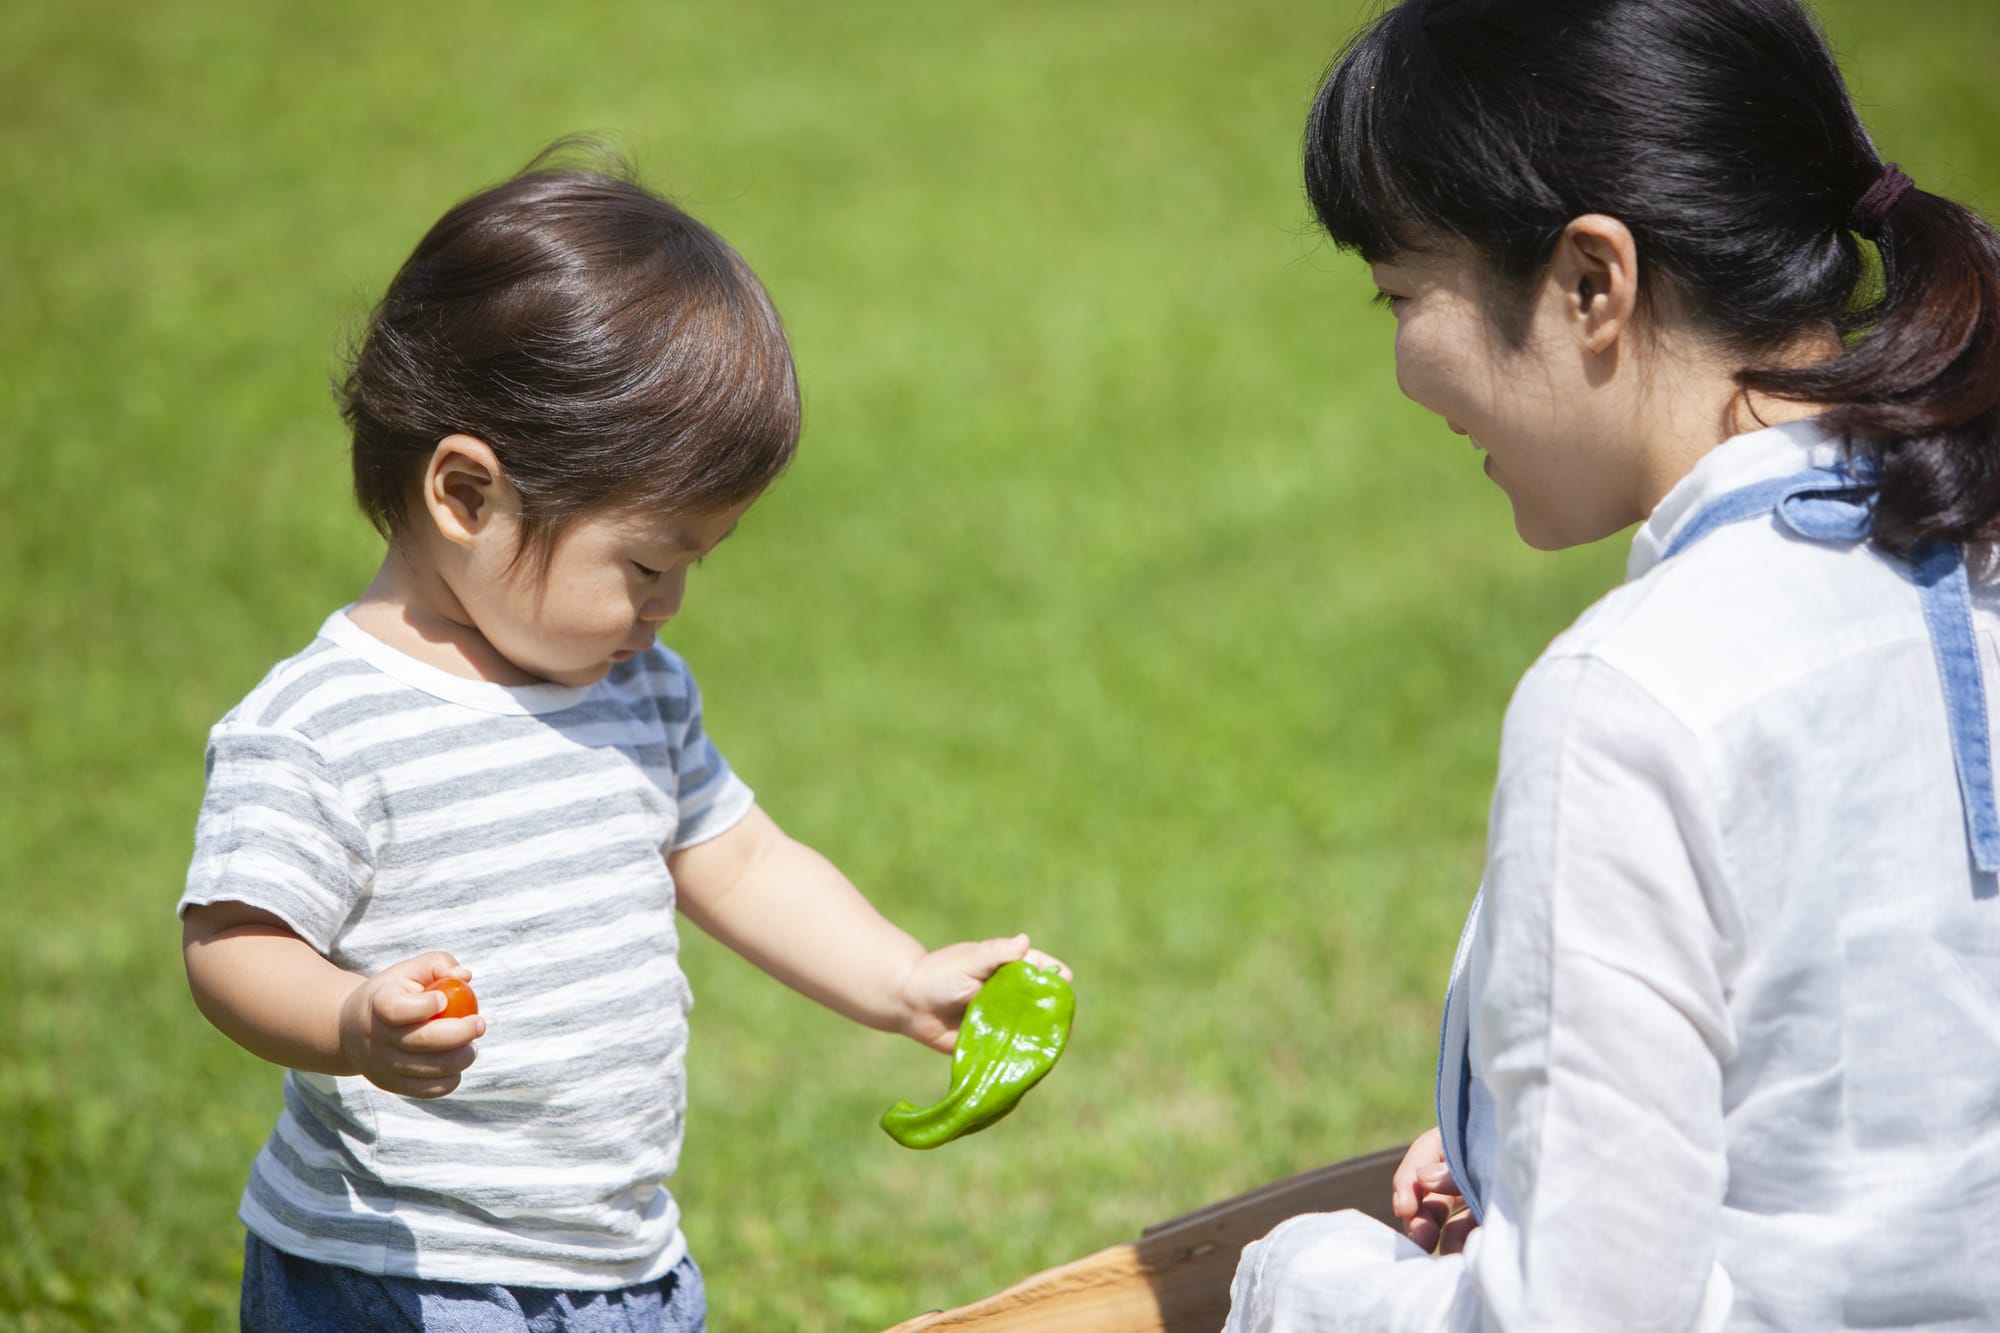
(1721, 134)
(611, 350)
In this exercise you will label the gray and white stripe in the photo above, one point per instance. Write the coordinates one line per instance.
(384, 809)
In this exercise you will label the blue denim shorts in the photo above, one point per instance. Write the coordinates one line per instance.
(283, 1293)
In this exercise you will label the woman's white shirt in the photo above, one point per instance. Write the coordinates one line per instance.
(1736, 987)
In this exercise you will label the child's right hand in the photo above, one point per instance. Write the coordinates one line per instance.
(1427, 1199)
(941, 983)
(391, 1035)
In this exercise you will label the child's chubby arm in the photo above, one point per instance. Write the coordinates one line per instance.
(280, 998)
(791, 912)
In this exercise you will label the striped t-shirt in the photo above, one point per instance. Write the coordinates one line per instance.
(384, 808)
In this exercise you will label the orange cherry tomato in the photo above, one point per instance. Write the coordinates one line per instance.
(459, 1001)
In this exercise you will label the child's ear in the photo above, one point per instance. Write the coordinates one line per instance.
(1595, 267)
(462, 484)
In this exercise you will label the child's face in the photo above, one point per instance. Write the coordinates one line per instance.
(613, 580)
(1556, 434)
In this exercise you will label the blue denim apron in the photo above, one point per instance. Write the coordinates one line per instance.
(1829, 504)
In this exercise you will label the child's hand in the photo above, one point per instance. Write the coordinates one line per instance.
(388, 1034)
(1427, 1199)
(940, 984)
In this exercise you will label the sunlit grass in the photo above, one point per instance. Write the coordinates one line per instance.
(1115, 595)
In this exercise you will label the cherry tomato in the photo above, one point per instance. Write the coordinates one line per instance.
(459, 1001)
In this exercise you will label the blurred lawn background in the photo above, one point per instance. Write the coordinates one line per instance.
(1115, 595)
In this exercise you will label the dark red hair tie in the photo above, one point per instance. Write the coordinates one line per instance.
(1872, 209)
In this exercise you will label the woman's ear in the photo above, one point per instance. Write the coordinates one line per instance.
(462, 484)
(1595, 272)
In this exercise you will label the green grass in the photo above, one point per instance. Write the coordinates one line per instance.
(1115, 595)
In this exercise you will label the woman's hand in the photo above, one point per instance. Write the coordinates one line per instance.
(940, 984)
(391, 1035)
(1427, 1200)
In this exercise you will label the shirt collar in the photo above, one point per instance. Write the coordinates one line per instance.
(485, 695)
(1775, 451)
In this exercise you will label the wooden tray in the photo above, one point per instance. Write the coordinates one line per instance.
(1175, 1277)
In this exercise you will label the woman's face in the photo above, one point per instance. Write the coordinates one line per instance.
(1556, 432)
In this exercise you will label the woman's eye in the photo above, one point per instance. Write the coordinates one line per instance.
(648, 573)
(1385, 301)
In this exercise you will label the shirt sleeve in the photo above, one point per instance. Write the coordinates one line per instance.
(275, 833)
(710, 797)
(1601, 1027)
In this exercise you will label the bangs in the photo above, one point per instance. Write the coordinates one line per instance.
(710, 383)
(1351, 140)
(681, 394)
(1402, 150)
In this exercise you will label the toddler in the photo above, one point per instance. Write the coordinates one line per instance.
(570, 395)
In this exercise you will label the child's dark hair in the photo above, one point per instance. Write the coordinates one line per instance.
(611, 350)
(1720, 132)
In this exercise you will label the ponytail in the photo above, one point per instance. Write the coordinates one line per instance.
(1918, 389)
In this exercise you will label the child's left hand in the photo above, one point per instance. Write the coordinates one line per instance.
(940, 984)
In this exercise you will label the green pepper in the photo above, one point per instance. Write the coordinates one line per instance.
(1011, 1035)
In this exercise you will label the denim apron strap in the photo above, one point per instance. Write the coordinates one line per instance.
(1829, 504)
(1465, 1124)
(1939, 570)
(1835, 504)
(1824, 504)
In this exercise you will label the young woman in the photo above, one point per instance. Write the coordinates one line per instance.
(1722, 1048)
